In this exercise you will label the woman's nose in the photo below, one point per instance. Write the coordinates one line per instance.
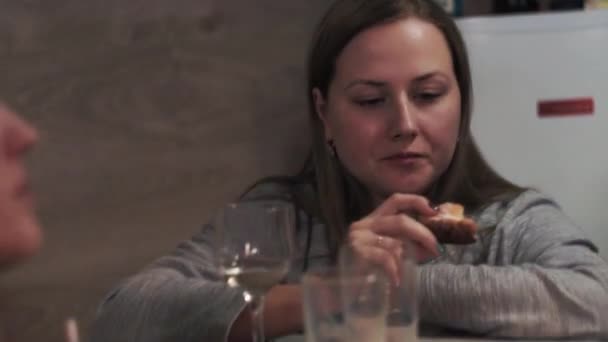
(20, 136)
(404, 124)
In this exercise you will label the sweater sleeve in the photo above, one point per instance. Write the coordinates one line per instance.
(178, 298)
(542, 279)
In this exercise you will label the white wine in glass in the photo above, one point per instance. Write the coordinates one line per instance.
(255, 249)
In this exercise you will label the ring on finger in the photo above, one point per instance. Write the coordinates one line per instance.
(380, 241)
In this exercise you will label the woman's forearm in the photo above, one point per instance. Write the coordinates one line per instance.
(282, 315)
(515, 301)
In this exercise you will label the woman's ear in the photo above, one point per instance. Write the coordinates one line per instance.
(321, 110)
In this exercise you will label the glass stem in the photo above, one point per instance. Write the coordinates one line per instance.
(257, 317)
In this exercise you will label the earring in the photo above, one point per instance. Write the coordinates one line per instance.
(332, 148)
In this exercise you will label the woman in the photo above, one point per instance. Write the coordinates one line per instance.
(20, 234)
(390, 102)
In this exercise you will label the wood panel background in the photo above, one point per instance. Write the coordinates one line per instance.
(152, 113)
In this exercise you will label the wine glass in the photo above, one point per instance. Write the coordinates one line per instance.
(255, 249)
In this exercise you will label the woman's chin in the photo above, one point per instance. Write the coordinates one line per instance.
(31, 236)
(414, 186)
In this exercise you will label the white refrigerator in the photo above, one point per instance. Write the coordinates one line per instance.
(541, 106)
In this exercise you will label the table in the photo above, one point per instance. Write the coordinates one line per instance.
(300, 338)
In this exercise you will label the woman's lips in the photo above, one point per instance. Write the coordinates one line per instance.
(24, 192)
(405, 157)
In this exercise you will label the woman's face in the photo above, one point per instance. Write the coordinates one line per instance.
(393, 107)
(19, 231)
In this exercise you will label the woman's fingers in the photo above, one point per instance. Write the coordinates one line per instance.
(400, 227)
(370, 253)
(382, 236)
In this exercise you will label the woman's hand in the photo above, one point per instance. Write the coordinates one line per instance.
(379, 237)
(283, 315)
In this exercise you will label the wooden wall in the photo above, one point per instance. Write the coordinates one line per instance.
(152, 113)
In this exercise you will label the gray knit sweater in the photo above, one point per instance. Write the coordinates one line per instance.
(532, 273)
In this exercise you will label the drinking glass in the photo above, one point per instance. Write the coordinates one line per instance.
(255, 249)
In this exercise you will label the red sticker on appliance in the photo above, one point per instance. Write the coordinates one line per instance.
(565, 107)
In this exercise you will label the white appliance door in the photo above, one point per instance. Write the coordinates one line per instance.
(519, 60)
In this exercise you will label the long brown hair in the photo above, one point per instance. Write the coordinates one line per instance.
(339, 198)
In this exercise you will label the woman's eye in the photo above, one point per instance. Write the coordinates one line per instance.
(427, 96)
(371, 102)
